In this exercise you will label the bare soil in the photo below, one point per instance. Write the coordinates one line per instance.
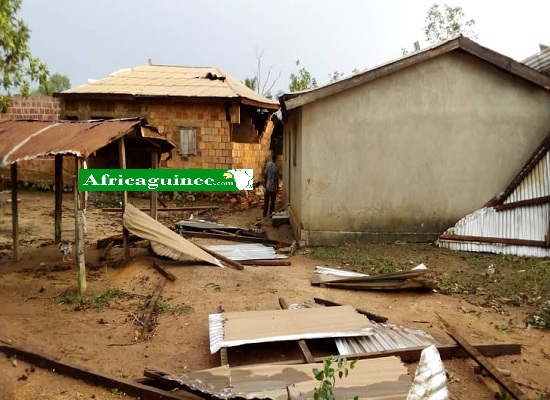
(34, 316)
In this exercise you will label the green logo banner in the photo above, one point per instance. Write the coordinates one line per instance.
(165, 180)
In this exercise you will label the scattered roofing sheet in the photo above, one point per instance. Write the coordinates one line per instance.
(25, 140)
(382, 378)
(516, 221)
(394, 281)
(248, 251)
(385, 337)
(173, 81)
(430, 379)
(539, 61)
(200, 225)
(164, 241)
(238, 328)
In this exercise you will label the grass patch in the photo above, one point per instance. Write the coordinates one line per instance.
(164, 307)
(100, 301)
(358, 259)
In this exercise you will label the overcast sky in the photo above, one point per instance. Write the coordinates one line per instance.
(91, 39)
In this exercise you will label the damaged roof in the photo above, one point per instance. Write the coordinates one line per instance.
(460, 43)
(540, 61)
(173, 81)
(25, 140)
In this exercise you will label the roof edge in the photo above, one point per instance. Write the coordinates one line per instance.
(295, 100)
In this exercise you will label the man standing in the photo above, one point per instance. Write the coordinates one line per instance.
(271, 184)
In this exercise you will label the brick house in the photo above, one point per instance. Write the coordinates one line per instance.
(213, 118)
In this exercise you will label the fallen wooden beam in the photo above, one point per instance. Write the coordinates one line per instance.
(235, 238)
(148, 313)
(188, 208)
(117, 239)
(301, 342)
(487, 365)
(266, 263)
(232, 263)
(167, 274)
(368, 314)
(92, 377)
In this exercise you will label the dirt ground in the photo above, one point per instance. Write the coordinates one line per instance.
(35, 317)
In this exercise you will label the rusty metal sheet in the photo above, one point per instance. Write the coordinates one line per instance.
(381, 378)
(175, 81)
(238, 328)
(25, 140)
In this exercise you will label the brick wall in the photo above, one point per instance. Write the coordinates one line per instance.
(213, 137)
(44, 108)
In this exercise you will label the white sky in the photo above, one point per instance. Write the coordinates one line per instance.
(91, 39)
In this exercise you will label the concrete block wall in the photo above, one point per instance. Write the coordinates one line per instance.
(253, 155)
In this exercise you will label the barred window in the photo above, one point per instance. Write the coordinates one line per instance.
(188, 141)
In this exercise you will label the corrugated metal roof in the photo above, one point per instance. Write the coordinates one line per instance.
(539, 61)
(237, 328)
(430, 379)
(172, 81)
(249, 251)
(521, 212)
(25, 140)
(384, 337)
(381, 378)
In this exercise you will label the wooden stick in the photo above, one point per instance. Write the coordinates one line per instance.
(301, 342)
(508, 385)
(368, 314)
(14, 214)
(270, 215)
(148, 313)
(266, 263)
(167, 274)
(188, 208)
(79, 231)
(232, 263)
(58, 184)
(93, 377)
(235, 238)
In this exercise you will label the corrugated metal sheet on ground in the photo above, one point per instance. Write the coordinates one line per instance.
(249, 251)
(237, 328)
(381, 378)
(175, 81)
(202, 224)
(430, 379)
(164, 241)
(384, 336)
(535, 184)
(25, 140)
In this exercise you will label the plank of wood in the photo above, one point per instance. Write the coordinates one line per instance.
(14, 214)
(267, 263)
(148, 313)
(58, 183)
(167, 274)
(232, 263)
(302, 343)
(482, 239)
(187, 208)
(368, 314)
(117, 239)
(93, 377)
(235, 238)
(487, 365)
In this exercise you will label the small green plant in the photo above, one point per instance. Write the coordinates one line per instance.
(164, 307)
(327, 377)
(99, 301)
(540, 318)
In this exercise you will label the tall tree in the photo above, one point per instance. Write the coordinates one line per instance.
(444, 22)
(257, 83)
(18, 68)
(302, 80)
(55, 84)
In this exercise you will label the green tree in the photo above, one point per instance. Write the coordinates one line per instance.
(250, 83)
(18, 68)
(444, 22)
(302, 80)
(335, 76)
(55, 84)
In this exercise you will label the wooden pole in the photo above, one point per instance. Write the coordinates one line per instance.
(125, 232)
(79, 231)
(58, 196)
(14, 213)
(154, 194)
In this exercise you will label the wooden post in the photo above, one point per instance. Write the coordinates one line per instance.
(154, 194)
(58, 196)
(79, 231)
(122, 165)
(14, 213)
